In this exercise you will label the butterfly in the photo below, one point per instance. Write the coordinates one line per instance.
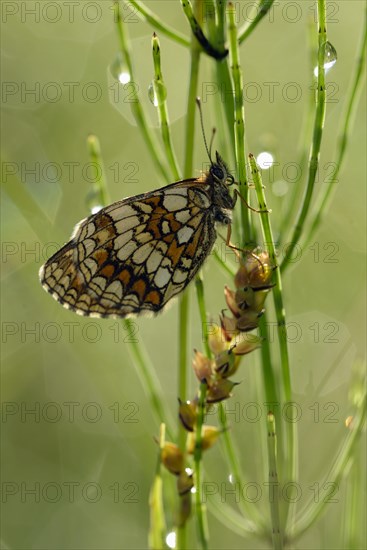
(133, 256)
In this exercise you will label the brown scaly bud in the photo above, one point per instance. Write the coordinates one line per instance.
(187, 412)
(185, 483)
(219, 390)
(202, 366)
(172, 458)
(209, 435)
(216, 339)
(226, 364)
(229, 329)
(246, 343)
(232, 303)
(255, 271)
(249, 320)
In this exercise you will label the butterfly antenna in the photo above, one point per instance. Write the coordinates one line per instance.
(211, 142)
(198, 103)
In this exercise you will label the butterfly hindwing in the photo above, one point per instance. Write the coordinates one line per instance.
(134, 255)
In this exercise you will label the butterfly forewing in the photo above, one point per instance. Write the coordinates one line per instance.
(133, 256)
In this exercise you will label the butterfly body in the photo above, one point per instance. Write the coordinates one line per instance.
(133, 256)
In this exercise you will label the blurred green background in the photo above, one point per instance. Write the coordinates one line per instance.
(87, 450)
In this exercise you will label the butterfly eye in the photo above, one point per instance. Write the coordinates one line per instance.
(217, 172)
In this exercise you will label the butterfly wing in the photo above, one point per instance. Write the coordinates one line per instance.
(133, 256)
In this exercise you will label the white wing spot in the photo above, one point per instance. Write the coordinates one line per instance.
(120, 212)
(183, 216)
(125, 225)
(142, 254)
(154, 261)
(179, 276)
(121, 240)
(115, 288)
(174, 202)
(127, 250)
(184, 234)
(165, 227)
(162, 277)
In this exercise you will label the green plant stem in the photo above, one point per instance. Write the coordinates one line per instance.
(197, 31)
(269, 378)
(204, 322)
(184, 298)
(191, 109)
(37, 219)
(136, 106)
(160, 97)
(306, 133)
(158, 24)
(100, 178)
(256, 15)
(200, 508)
(157, 527)
(354, 501)
(227, 267)
(290, 463)
(314, 509)
(149, 379)
(252, 521)
(239, 124)
(317, 136)
(324, 198)
(273, 483)
(159, 93)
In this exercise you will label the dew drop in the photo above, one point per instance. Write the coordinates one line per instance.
(157, 93)
(119, 70)
(171, 540)
(330, 57)
(265, 160)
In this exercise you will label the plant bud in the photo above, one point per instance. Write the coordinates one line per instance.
(172, 458)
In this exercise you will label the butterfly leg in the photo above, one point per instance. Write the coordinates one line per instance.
(258, 211)
(237, 250)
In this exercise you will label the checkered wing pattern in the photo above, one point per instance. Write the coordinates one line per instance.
(133, 256)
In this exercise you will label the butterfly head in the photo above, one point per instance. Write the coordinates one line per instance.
(222, 179)
(219, 171)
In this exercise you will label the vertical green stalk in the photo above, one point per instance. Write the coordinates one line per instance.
(184, 299)
(159, 96)
(352, 506)
(136, 106)
(100, 178)
(239, 124)
(317, 135)
(323, 199)
(269, 378)
(204, 324)
(274, 484)
(290, 466)
(224, 84)
(157, 527)
(197, 31)
(251, 521)
(314, 509)
(149, 379)
(200, 508)
(306, 135)
(160, 93)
